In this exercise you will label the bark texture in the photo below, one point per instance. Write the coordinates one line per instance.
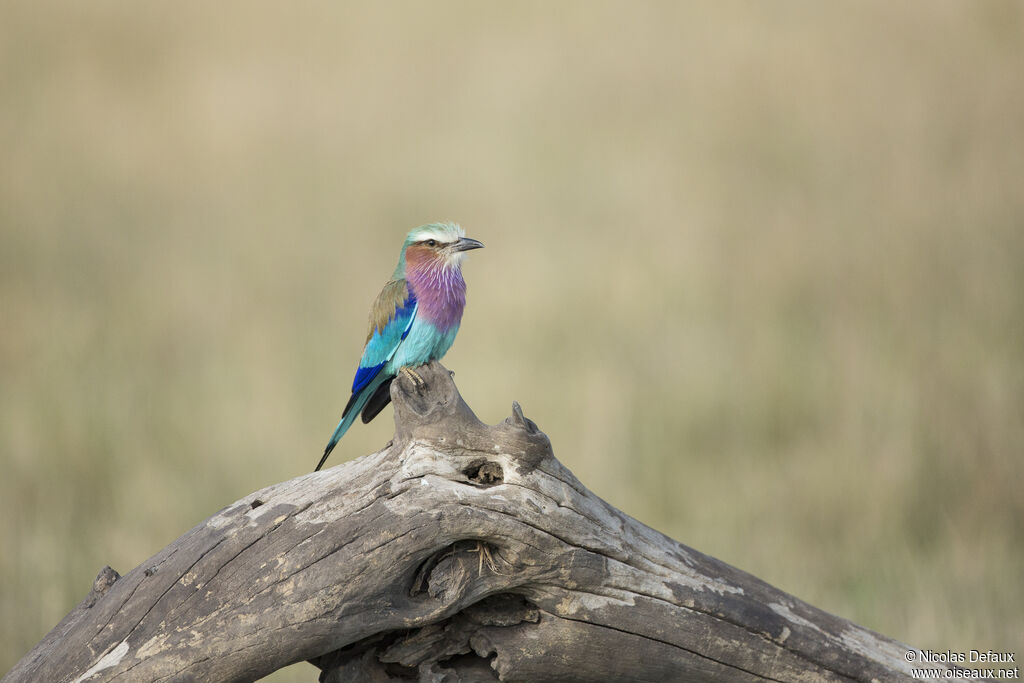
(459, 552)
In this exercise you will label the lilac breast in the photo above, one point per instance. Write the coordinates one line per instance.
(440, 294)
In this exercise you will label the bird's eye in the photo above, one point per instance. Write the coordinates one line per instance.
(431, 243)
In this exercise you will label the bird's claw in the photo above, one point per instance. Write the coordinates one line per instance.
(417, 381)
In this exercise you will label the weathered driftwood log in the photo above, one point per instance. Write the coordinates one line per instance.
(460, 552)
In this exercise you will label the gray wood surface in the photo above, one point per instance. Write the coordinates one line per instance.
(459, 552)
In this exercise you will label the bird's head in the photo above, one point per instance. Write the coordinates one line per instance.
(437, 244)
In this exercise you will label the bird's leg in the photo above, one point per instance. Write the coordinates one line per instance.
(414, 376)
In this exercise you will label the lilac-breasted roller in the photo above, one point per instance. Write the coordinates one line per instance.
(413, 321)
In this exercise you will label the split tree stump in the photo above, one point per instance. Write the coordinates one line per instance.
(460, 552)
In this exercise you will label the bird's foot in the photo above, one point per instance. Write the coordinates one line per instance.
(415, 377)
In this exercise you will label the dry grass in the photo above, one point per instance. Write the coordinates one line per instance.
(755, 268)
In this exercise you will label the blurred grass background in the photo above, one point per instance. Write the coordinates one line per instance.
(756, 268)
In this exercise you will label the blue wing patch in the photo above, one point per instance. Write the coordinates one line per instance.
(407, 311)
(364, 376)
(384, 341)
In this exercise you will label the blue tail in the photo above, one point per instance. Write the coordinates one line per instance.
(354, 407)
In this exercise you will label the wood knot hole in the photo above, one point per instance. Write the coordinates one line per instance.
(255, 504)
(483, 472)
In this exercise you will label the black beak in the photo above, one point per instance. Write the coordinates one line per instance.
(465, 244)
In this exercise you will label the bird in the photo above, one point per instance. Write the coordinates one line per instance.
(413, 321)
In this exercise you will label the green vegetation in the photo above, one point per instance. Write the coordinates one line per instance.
(757, 270)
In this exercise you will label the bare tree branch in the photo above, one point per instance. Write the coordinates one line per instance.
(460, 552)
